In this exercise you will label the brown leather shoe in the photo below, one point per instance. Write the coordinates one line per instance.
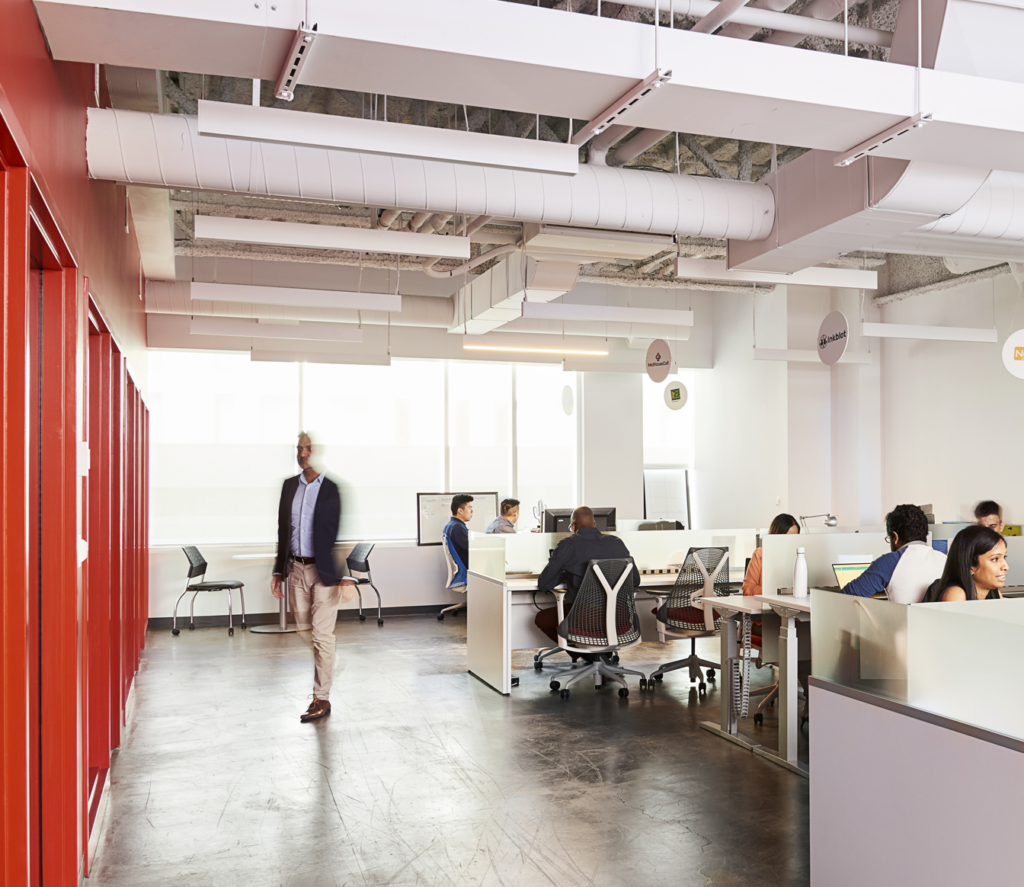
(318, 708)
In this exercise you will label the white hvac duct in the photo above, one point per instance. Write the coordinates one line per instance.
(167, 151)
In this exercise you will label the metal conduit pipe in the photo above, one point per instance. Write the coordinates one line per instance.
(777, 21)
(825, 10)
(387, 218)
(428, 265)
(419, 220)
(642, 141)
(167, 151)
(439, 221)
(745, 32)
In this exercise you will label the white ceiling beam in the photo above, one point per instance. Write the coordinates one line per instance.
(287, 127)
(296, 234)
(290, 296)
(606, 313)
(794, 355)
(226, 326)
(383, 360)
(937, 333)
(712, 269)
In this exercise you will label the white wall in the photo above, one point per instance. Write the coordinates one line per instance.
(952, 416)
(741, 414)
(613, 442)
(406, 575)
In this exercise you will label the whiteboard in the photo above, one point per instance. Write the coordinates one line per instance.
(434, 510)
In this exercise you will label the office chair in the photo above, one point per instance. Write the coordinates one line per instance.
(197, 567)
(602, 621)
(538, 658)
(359, 562)
(681, 614)
(456, 573)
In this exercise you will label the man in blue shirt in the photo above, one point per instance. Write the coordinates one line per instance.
(455, 529)
(307, 527)
(906, 572)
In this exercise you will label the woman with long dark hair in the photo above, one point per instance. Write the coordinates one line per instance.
(783, 525)
(975, 567)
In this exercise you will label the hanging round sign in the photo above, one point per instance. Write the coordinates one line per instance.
(833, 337)
(567, 400)
(675, 395)
(1013, 354)
(659, 360)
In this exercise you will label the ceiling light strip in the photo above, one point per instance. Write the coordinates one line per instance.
(606, 313)
(531, 350)
(227, 326)
(293, 297)
(625, 103)
(936, 333)
(712, 269)
(288, 127)
(302, 236)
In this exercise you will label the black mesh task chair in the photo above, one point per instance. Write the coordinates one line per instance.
(359, 562)
(601, 621)
(197, 567)
(681, 613)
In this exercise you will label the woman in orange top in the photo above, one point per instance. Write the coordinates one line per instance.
(783, 525)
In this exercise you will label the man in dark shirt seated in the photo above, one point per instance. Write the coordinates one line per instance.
(569, 564)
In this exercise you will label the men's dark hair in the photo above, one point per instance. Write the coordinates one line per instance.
(908, 522)
(508, 504)
(460, 500)
(984, 509)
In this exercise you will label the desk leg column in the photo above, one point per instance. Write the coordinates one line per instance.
(726, 685)
(787, 689)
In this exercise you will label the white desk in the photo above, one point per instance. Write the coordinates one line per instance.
(732, 608)
(790, 609)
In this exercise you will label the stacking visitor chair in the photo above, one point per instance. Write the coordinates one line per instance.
(359, 562)
(197, 567)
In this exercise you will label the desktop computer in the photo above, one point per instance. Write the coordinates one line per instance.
(556, 520)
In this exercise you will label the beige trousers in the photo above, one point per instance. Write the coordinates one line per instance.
(315, 608)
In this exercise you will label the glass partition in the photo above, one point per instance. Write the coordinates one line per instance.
(487, 554)
(958, 660)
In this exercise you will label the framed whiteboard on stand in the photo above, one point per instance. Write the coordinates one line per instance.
(434, 510)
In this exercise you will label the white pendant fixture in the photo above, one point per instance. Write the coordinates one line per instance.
(712, 269)
(520, 343)
(314, 332)
(298, 298)
(938, 333)
(302, 236)
(606, 313)
(258, 355)
(793, 355)
(381, 137)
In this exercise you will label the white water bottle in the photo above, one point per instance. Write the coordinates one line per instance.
(800, 575)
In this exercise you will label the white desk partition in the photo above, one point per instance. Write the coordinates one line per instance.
(821, 551)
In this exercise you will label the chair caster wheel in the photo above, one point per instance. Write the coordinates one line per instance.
(231, 631)
(659, 678)
(191, 628)
(615, 659)
(759, 719)
(702, 688)
(362, 618)
(623, 692)
(564, 694)
(538, 666)
(440, 617)
(643, 684)
(380, 621)
(175, 631)
(244, 626)
(711, 674)
(650, 685)
(554, 685)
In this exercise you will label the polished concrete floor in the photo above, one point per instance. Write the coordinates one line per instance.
(425, 776)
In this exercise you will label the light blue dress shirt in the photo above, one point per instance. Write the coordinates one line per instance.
(303, 506)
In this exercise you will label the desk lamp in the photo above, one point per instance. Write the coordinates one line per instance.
(830, 520)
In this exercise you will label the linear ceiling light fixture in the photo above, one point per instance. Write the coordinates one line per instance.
(938, 333)
(292, 297)
(297, 234)
(865, 148)
(712, 269)
(287, 127)
(622, 105)
(606, 313)
(228, 326)
(383, 360)
(532, 350)
(521, 343)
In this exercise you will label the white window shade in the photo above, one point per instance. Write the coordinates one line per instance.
(480, 426)
(668, 434)
(545, 440)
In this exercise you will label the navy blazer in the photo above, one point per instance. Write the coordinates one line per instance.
(326, 520)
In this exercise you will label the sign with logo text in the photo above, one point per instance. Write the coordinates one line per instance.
(833, 337)
(675, 396)
(1013, 354)
(659, 360)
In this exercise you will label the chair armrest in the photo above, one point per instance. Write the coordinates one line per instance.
(559, 591)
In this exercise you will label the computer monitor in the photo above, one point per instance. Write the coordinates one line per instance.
(556, 520)
(846, 573)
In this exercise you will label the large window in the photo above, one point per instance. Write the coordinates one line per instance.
(668, 433)
(224, 432)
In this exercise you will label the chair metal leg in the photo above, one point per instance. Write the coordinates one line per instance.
(174, 619)
(192, 611)
(452, 609)
(231, 624)
(380, 616)
(241, 594)
(359, 594)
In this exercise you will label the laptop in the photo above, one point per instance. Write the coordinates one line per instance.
(846, 573)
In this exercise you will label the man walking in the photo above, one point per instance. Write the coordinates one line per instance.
(307, 528)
